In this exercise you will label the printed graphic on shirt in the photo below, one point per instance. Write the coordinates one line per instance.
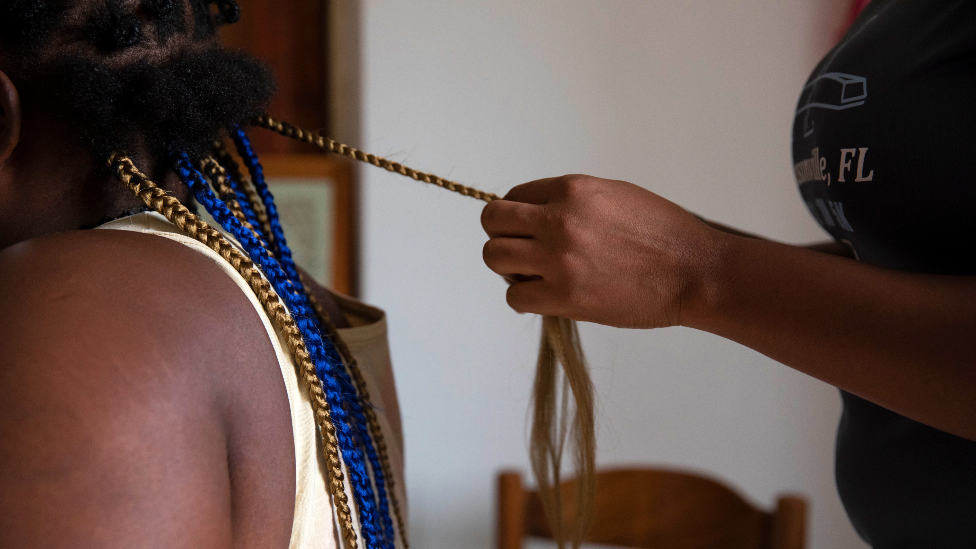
(829, 213)
(834, 91)
(845, 164)
(811, 169)
(815, 167)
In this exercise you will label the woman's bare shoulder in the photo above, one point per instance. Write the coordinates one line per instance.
(110, 416)
(126, 291)
(108, 273)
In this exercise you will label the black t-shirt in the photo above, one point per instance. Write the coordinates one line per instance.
(884, 152)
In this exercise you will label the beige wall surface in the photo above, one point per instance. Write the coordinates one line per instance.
(692, 99)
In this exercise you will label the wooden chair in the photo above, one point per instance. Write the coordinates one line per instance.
(658, 509)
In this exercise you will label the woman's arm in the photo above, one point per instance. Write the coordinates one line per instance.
(831, 247)
(904, 341)
(613, 253)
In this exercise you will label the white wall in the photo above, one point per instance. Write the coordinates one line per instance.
(693, 100)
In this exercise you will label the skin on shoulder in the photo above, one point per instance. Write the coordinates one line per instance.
(137, 407)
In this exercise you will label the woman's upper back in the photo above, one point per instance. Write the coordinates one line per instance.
(125, 363)
(141, 401)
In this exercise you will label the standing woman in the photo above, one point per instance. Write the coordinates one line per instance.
(883, 142)
(160, 385)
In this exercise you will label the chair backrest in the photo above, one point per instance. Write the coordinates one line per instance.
(657, 509)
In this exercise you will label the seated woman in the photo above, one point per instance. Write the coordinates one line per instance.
(147, 398)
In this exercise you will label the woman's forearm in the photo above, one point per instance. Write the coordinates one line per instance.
(831, 247)
(904, 341)
(611, 252)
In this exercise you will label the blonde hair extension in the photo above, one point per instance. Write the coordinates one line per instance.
(554, 420)
(330, 145)
(218, 179)
(552, 428)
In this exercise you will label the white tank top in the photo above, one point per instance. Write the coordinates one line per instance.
(314, 525)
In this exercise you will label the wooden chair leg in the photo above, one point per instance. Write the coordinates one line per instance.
(511, 510)
(789, 523)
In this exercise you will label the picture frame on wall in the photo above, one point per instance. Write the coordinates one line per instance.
(313, 196)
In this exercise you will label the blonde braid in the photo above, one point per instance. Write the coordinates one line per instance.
(313, 138)
(218, 176)
(371, 420)
(258, 206)
(559, 347)
(176, 213)
(224, 158)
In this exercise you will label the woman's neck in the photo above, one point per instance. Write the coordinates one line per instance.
(43, 193)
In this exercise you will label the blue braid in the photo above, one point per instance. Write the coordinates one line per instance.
(326, 370)
(304, 317)
(245, 204)
(246, 151)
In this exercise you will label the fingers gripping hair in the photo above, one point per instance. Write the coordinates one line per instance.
(552, 424)
(511, 219)
(520, 257)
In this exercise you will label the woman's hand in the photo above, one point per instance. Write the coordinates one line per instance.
(611, 252)
(598, 250)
